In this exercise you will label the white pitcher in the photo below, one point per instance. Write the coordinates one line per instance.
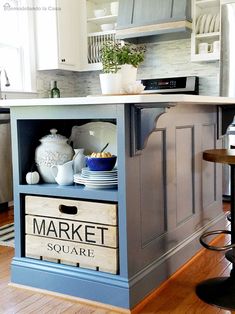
(63, 174)
(78, 160)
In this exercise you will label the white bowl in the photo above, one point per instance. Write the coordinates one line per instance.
(114, 8)
(107, 27)
(99, 13)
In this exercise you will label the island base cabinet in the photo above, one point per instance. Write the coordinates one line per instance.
(78, 233)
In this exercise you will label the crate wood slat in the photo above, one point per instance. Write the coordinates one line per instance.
(72, 232)
(87, 211)
(87, 266)
(34, 256)
(91, 255)
(54, 260)
(76, 231)
(62, 261)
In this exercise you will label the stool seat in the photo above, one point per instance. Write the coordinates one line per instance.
(225, 156)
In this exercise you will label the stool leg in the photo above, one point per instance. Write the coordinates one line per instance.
(220, 291)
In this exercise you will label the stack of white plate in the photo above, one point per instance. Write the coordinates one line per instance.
(207, 23)
(97, 179)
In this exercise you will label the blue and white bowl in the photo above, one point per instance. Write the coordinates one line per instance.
(101, 163)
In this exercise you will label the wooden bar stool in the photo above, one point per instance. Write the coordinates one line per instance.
(220, 291)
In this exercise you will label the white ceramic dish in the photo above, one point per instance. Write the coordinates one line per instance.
(93, 136)
(94, 184)
(202, 24)
(97, 183)
(99, 13)
(107, 27)
(207, 23)
(83, 181)
(95, 178)
(198, 24)
(86, 170)
(114, 8)
(217, 23)
(212, 24)
(101, 179)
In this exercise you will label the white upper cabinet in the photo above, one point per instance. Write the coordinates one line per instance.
(70, 33)
(100, 22)
(58, 31)
(205, 40)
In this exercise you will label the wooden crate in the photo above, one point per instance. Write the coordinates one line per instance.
(78, 233)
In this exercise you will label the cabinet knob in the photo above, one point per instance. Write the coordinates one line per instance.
(62, 60)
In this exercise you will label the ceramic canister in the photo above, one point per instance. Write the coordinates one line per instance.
(53, 150)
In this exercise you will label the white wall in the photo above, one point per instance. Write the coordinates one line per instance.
(163, 59)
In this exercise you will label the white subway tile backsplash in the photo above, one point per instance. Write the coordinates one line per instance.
(163, 59)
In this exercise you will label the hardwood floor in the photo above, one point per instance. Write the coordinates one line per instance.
(6, 216)
(177, 295)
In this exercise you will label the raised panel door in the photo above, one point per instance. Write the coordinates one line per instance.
(151, 11)
(125, 13)
(181, 9)
(68, 27)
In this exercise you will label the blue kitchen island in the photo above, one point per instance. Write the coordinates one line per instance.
(166, 197)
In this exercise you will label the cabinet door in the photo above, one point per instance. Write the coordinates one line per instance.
(125, 13)
(67, 25)
(182, 9)
(151, 11)
(46, 36)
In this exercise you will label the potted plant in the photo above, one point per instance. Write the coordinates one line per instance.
(110, 80)
(120, 61)
(129, 58)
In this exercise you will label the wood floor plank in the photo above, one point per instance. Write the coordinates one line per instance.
(6, 216)
(30, 299)
(36, 306)
(180, 289)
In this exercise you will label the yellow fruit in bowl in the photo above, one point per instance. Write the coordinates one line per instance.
(101, 155)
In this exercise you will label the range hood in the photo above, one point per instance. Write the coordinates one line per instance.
(138, 18)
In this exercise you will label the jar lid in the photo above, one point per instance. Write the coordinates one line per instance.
(53, 137)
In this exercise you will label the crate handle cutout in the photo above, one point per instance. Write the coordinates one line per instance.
(69, 210)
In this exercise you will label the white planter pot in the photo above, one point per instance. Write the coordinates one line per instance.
(111, 83)
(129, 74)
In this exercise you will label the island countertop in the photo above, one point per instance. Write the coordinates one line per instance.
(120, 99)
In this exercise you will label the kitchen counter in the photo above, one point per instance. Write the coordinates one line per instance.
(166, 196)
(130, 99)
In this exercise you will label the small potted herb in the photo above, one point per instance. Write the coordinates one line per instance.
(110, 79)
(122, 60)
(129, 58)
(131, 54)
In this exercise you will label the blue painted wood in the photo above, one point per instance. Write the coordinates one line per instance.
(140, 13)
(72, 191)
(152, 11)
(125, 16)
(182, 9)
(123, 143)
(143, 122)
(92, 285)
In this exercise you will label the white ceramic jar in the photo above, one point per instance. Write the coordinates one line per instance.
(53, 150)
